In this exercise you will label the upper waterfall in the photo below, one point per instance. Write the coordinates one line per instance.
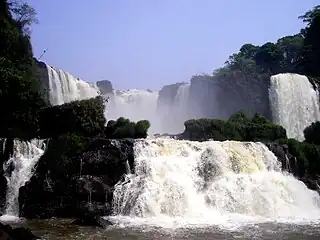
(210, 183)
(294, 103)
(63, 87)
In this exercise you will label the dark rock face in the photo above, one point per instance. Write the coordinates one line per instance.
(222, 96)
(43, 75)
(167, 94)
(7, 232)
(291, 165)
(6, 150)
(105, 86)
(288, 161)
(88, 189)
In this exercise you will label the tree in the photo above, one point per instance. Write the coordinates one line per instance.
(291, 49)
(268, 57)
(311, 50)
(23, 14)
(309, 16)
(248, 51)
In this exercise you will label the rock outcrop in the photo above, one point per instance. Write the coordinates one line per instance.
(105, 86)
(81, 186)
(20, 233)
(167, 95)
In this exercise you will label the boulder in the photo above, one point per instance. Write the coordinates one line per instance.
(20, 233)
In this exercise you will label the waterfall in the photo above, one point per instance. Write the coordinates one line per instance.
(187, 182)
(294, 103)
(135, 105)
(178, 112)
(63, 87)
(18, 170)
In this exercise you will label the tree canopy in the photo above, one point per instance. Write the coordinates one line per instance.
(298, 53)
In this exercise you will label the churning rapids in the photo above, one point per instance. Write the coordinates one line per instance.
(178, 184)
(188, 190)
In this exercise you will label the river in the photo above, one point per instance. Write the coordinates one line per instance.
(62, 229)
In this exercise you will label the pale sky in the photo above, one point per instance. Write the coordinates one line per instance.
(148, 43)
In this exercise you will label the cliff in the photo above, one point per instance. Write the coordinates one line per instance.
(221, 95)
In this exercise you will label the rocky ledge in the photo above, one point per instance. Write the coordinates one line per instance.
(70, 187)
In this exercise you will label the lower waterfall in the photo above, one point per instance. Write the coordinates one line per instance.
(294, 103)
(179, 183)
(18, 170)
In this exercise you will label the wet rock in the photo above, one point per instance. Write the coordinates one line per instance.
(20, 233)
(281, 151)
(86, 185)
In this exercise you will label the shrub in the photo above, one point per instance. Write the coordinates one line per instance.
(84, 118)
(312, 133)
(123, 128)
(238, 127)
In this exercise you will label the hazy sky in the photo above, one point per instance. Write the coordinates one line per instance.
(148, 43)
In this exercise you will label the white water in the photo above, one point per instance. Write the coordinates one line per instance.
(63, 87)
(135, 105)
(25, 156)
(177, 113)
(183, 183)
(294, 103)
(141, 104)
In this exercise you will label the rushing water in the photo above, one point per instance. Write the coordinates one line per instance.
(201, 190)
(25, 156)
(63, 87)
(294, 103)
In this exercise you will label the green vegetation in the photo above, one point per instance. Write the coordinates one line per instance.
(307, 153)
(123, 128)
(238, 127)
(21, 96)
(85, 118)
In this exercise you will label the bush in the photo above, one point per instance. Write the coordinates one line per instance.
(239, 127)
(84, 118)
(312, 133)
(123, 128)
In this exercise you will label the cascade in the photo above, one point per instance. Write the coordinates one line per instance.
(18, 170)
(63, 87)
(184, 182)
(135, 105)
(178, 112)
(294, 103)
